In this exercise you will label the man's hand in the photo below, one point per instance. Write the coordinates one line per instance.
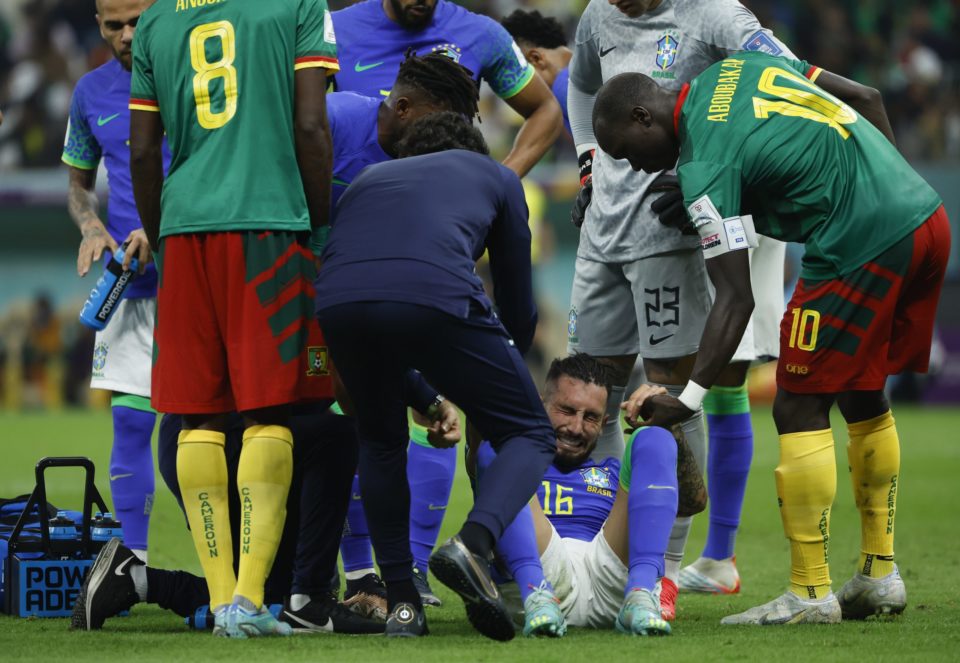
(444, 429)
(650, 405)
(581, 203)
(669, 206)
(138, 246)
(95, 240)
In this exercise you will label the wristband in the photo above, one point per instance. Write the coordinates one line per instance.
(318, 240)
(692, 396)
(585, 161)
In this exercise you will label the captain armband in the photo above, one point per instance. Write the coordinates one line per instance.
(719, 235)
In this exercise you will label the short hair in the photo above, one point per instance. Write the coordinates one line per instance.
(534, 28)
(620, 94)
(446, 82)
(441, 131)
(579, 366)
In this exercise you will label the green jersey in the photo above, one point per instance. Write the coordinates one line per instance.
(221, 75)
(758, 137)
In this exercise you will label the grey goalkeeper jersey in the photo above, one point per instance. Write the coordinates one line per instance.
(672, 44)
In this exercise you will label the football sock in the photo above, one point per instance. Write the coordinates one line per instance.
(131, 468)
(178, 591)
(477, 538)
(695, 434)
(611, 443)
(138, 573)
(355, 548)
(728, 464)
(518, 543)
(202, 475)
(263, 480)
(403, 591)
(430, 472)
(874, 455)
(651, 484)
(806, 486)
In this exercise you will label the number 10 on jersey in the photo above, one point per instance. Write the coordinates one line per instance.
(207, 72)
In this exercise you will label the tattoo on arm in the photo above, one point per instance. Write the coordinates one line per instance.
(82, 202)
(693, 492)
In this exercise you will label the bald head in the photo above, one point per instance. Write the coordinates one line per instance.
(633, 119)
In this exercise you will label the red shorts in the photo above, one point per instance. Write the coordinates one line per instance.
(850, 333)
(235, 326)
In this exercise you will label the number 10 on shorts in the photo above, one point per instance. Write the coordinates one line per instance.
(803, 332)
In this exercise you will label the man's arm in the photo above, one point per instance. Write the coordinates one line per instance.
(313, 144)
(543, 122)
(146, 170)
(728, 318)
(864, 99)
(84, 208)
(508, 244)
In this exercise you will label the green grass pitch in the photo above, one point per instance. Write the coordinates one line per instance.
(927, 545)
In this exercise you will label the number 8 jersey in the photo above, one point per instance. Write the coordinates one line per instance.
(758, 137)
(221, 75)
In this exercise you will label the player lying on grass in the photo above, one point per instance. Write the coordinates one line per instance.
(365, 131)
(598, 530)
(302, 577)
(755, 136)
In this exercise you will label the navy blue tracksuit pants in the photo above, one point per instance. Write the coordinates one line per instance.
(471, 361)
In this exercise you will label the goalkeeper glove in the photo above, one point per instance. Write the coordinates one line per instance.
(585, 195)
(669, 206)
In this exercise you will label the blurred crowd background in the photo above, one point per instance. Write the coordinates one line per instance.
(909, 51)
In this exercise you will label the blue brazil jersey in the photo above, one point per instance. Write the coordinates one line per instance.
(371, 48)
(353, 128)
(578, 502)
(559, 89)
(99, 128)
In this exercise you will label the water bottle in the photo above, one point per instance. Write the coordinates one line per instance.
(202, 617)
(108, 291)
(105, 528)
(64, 536)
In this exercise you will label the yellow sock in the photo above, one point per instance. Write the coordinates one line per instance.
(806, 485)
(874, 455)
(202, 474)
(263, 479)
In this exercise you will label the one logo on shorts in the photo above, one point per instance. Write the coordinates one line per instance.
(572, 325)
(798, 369)
(99, 359)
(452, 51)
(667, 47)
(710, 242)
(317, 361)
(598, 477)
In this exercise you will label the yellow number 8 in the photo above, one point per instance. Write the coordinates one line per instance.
(207, 72)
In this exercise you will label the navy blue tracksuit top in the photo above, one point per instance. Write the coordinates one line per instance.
(412, 230)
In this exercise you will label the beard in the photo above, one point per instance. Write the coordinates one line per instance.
(413, 17)
(124, 57)
(572, 452)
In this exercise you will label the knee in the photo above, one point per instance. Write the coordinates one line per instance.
(655, 445)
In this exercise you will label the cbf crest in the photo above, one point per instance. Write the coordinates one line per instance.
(572, 325)
(452, 51)
(99, 359)
(667, 47)
(598, 477)
(318, 361)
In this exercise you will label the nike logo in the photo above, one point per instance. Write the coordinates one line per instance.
(119, 569)
(654, 486)
(654, 341)
(357, 67)
(114, 477)
(101, 120)
(605, 51)
(436, 507)
(326, 627)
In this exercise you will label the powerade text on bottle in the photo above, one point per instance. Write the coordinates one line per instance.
(108, 291)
